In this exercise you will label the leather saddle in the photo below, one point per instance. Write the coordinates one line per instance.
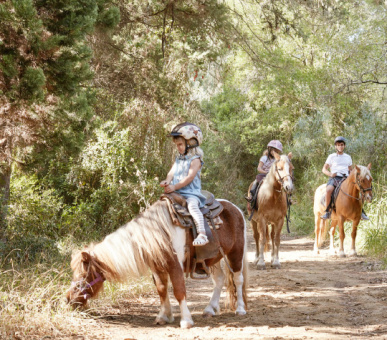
(180, 216)
(334, 195)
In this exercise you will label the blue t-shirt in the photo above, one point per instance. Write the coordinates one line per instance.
(180, 171)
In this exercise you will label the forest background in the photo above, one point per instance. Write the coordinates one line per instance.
(89, 90)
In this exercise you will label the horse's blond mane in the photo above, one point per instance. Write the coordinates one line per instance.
(137, 245)
(266, 190)
(364, 171)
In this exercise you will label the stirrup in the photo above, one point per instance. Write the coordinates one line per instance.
(364, 217)
(200, 240)
(326, 216)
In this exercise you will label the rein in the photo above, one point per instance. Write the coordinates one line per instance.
(80, 284)
(288, 203)
(361, 189)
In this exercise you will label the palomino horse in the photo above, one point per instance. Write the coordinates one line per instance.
(151, 241)
(272, 208)
(353, 192)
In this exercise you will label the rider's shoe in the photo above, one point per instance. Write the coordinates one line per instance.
(248, 199)
(364, 217)
(326, 216)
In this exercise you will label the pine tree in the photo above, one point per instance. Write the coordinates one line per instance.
(44, 73)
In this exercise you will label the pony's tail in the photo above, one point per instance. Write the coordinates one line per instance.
(231, 295)
(323, 232)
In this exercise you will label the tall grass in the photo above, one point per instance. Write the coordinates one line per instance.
(32, 299)
(375, 233)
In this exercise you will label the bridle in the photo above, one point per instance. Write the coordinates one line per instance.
(361, 189)
(82, 285)
(281, 179)
(288, 202)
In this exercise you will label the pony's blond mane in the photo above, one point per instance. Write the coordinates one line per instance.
(138, 245)
(266, 190)
(364, 171)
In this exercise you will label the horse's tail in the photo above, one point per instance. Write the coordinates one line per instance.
(231, 294)
(321, 236)
(321, 226)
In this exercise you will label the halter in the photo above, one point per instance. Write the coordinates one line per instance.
(83, 286)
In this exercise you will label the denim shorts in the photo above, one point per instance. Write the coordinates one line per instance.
(335, 180)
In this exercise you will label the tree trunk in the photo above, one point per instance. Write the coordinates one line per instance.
(5, 180)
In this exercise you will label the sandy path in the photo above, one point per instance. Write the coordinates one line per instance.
(311, 297)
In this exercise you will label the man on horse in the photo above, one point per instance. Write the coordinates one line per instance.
(337, 167)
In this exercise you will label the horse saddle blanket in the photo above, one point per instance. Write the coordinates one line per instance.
(335, 193)
(180, 215)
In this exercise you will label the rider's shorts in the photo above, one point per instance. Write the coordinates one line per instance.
(335, 180)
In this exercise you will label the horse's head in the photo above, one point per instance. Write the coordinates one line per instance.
(364, 181)
(88, 278)
(284, 171)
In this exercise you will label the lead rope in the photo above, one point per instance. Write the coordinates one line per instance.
(288, 221)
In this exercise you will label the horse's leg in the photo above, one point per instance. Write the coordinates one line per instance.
(353, 235)
(332, 230)
(165, 314)
(342, 237)
(176, 276)
(217, 276)
(317, 230)
(256, 238)
(275, 241)
(238, 281)
(236, 285)
(261, 244)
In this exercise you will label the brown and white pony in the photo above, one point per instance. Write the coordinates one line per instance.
(349, 203)
(151, 241)
(272, 208)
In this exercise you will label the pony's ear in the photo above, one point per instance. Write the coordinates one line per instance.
(369, 166)
(290, 155)
(276, 156)
(357, 169)
(86, 257)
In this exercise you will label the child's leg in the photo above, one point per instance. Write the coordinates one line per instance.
(193, 208)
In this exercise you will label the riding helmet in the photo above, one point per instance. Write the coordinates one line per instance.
(275, 144)
(340, 139)
(188, 131)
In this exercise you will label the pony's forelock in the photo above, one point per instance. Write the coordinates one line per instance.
(364, 171)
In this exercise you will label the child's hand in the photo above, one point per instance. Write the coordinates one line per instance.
(169, 188)
(163, 183)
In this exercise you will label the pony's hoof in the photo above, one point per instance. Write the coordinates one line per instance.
(186, 324)
(276, 266)
(164, 320)
(240, 311)
(207, 315)
(210, 311)
(352, 253)
(261, 267)
(342, 255)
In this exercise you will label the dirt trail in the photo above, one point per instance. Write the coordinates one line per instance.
(311, 297)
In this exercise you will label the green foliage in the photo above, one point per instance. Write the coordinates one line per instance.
(32, 83)
(110, 17)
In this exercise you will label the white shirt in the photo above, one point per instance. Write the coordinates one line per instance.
(339, 163)
(267, 162)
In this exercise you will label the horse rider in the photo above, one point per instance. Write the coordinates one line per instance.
(264, 165)
(184, 176)
(337, 167)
